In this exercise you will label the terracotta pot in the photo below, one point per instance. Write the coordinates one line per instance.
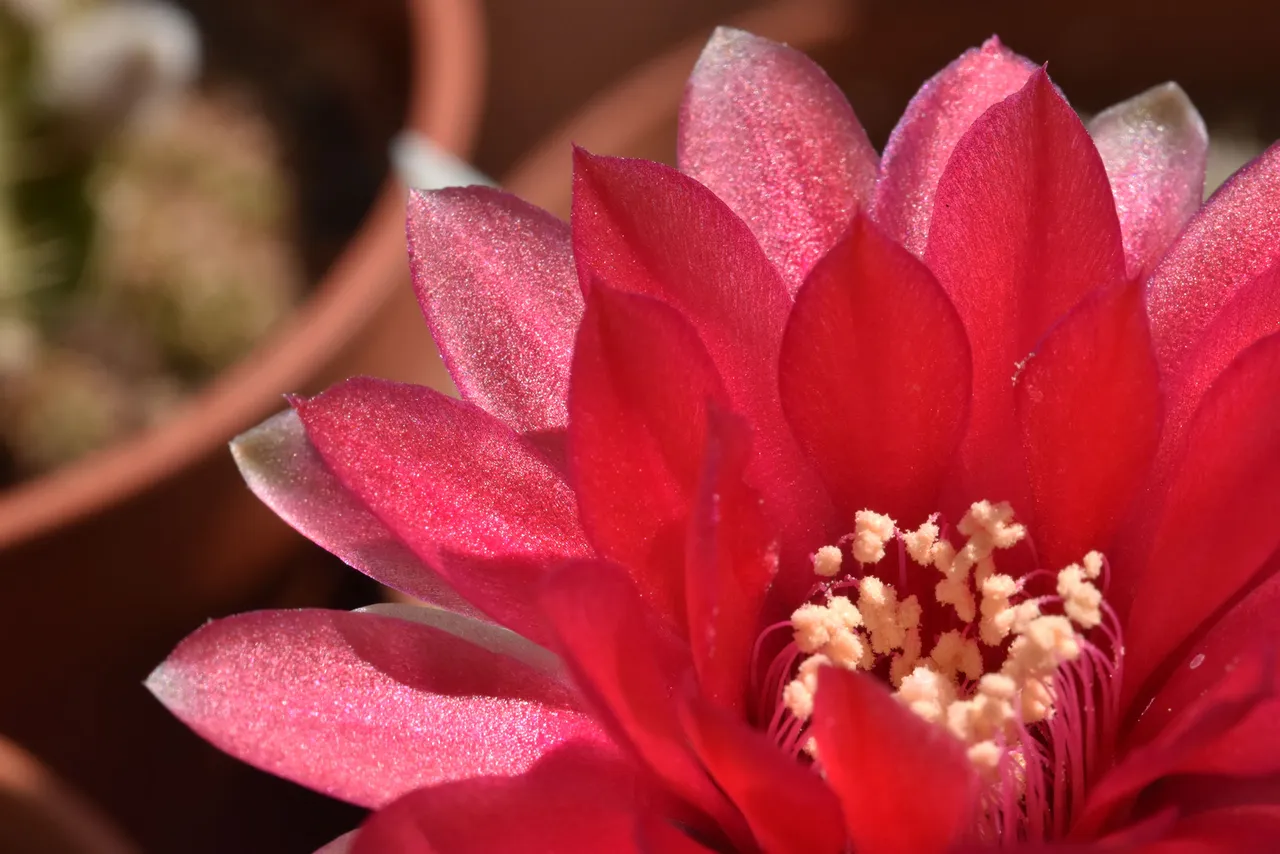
(39, 814)
(107, 563)
(637, 118)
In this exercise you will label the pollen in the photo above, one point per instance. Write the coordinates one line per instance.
(984, 659)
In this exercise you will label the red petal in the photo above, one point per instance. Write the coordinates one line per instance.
(875, 376)
(644, 228)
(730, 560)
(935, 120)
(572, 802)
(1222, 831)
(1219, 520)
(453, 484)
(1154, 147)
(638, 414)
(283, 469)
(627, 663)
(1234, 239)
(1089, 404)
(1024, 228)
(495, 278)
(1176, 750)
(772, 136)
(905, 784)
(365, 707)
(788, 807)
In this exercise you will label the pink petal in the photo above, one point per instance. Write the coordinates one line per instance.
(1089, 405)
(788, 807)
(875, 377)
(572, 802)
(1195, 732)
(453, 484)
(935, 120)
(495, 278)
(765, 128)
(642, 382)
(365, 707)
(730, 561)
(1231, 242)
(1154, 147)
(644, 228)
(1219, 521)
(341, 845)
(630, 667)
(1024, 228)
(283, 469)
(905, 784)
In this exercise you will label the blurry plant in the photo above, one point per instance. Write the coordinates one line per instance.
(143, 239)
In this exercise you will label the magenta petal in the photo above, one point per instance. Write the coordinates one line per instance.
(788, 807)
(1219, 519)
(644, 228)
(905, 784)
(765, 128)
(630, 666)
(453, 484)
(935, 120)
(495, 278)
(1154, 147)
(365, 707)
(730, 560)
(1089, 405)
(572, 802)
(875, 377)
(1024, 228)
(642, 382)
(283, 469)
(1230, 243)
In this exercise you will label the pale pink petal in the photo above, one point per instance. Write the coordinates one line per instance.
(341, 845)
(920, 146)
(495, 278)
(1154, 147)
(1227, 246)
(365, 707)
(772, 136)
(284, 470)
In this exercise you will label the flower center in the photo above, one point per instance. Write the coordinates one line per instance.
(1009, 666)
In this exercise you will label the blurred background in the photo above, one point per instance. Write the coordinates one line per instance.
(198, 214)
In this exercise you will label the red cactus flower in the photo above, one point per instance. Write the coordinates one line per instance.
(804, 501)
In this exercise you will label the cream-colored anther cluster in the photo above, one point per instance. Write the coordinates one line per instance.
(949, 686)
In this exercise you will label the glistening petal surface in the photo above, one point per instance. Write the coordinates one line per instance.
(495, 278)
(1154, 147)
(935, 120)
(283, 469)
(366, 707)
(1023, 229)
(765, 128)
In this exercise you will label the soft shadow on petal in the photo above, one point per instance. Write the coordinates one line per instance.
(935, 120)
(572, 802)
(1231, 830)
(731, 559)
(1218, 523)
(1230, 243)
(1089, 406)
(496, 280)
(1023, 229)
(630, 667)
(765, 128)
(454, 484)
(875, 375)
(1154, 147)
(905, 784)
(642, 382)
(283, 469)
(365, 707)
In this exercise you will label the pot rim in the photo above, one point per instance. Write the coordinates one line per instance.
(448, 63)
